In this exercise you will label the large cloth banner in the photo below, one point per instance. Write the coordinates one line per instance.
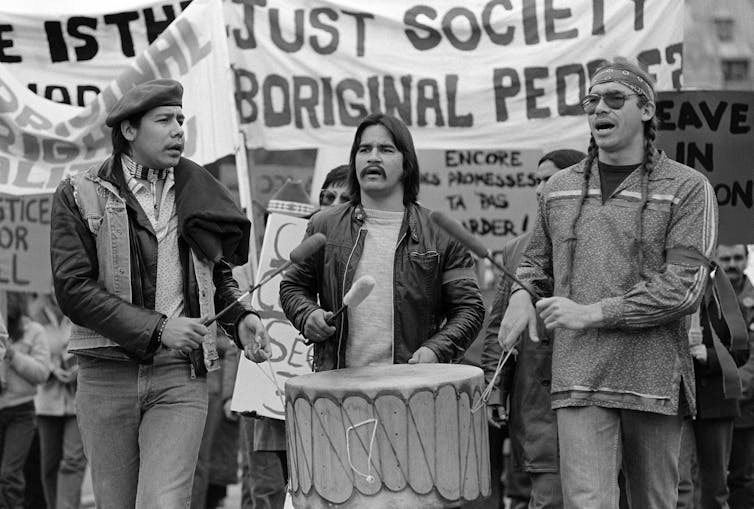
(257, 388)
(712, 131)
(41, 141)
(477, 74)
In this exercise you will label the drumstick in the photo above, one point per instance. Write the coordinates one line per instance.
(307, 248)
(457, 231)
(360, 290)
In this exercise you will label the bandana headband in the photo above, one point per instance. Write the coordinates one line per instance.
(625, 77)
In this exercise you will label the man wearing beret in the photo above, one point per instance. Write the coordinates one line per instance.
(141, 247)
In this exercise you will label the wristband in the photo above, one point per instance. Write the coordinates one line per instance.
(161, 330)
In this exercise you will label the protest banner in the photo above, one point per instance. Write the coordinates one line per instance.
(712, 132)
(290, 356)
(470, 75)
(25, 243)
(42, 141)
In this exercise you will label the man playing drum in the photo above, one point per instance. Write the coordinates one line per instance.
(425, 307)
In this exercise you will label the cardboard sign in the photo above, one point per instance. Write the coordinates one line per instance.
(713, 131)
(257, 388)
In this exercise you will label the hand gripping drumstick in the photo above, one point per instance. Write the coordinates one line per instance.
(307, 248)
(360, 290)
(457, 231)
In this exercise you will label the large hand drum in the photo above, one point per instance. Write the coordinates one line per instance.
(393, 436)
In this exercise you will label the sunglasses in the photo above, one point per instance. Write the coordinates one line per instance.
(327, 197)
(614, 100)
(735, 258)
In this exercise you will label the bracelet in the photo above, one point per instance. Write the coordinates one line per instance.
(162, 329)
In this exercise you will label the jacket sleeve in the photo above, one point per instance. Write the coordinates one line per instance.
(299, 287)
(34, 366)
(227, 293)
(462, 303)
(82, 298)
(491, 350)
(678, 288)
(535, 268)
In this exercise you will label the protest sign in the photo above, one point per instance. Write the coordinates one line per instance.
(470, 75)
(712, 132)
(491, 192)
(290, 356)
(25, 243)
(42, 141)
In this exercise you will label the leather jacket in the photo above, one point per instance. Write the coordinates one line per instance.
(437, 302)
(77, 268)
(524, 381)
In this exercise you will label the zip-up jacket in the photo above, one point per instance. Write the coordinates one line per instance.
(436, 299)
(104, 261)
(639, 358)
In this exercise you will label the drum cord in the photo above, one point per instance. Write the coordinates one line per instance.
(368, 476)
(279, 392)
(490, 386)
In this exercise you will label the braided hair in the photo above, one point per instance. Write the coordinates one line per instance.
(647, 166)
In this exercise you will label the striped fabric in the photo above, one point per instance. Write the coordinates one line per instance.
(638, 359)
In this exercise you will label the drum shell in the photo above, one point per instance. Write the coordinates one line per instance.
(428, 449)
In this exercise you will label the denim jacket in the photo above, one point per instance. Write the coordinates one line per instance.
(104, 258)
(436, 301)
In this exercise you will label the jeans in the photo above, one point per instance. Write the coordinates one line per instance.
(141, 426)
(546, 491)
(595, 442)
(203, 464)
(265, 481)
(62, 460)
(16, 434)
(741, 477)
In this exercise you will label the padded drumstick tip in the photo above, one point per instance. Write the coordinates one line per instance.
(359, 291)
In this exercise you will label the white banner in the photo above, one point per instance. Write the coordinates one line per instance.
(467, 74)
(479, 74)
(255, 389)
(41, 141)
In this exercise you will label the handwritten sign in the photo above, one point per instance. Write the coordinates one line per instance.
(491, 192)
(25, 243)
(712, 131)
(255, 389)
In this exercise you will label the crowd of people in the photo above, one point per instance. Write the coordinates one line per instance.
(630, 383)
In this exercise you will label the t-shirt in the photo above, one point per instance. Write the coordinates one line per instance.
(611, 176)
(371, 324)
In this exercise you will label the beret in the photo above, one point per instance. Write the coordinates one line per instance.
(145, 96)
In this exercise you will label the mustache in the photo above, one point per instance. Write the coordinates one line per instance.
(371, 168)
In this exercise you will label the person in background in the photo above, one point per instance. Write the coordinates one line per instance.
(335, 187)
(524, 383)
(733, 259)
(619, 258)
(264, 442)
(62, 453)
(25, 364)
(219, 389)
(718, 342)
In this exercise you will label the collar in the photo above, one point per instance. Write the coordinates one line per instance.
(139, 171)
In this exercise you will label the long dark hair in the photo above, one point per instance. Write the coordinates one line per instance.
(120, 144)
(648, 165)
(403, 142)
(18, 308)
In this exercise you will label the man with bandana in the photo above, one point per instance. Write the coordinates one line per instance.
(619, 256)
(141, 246)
